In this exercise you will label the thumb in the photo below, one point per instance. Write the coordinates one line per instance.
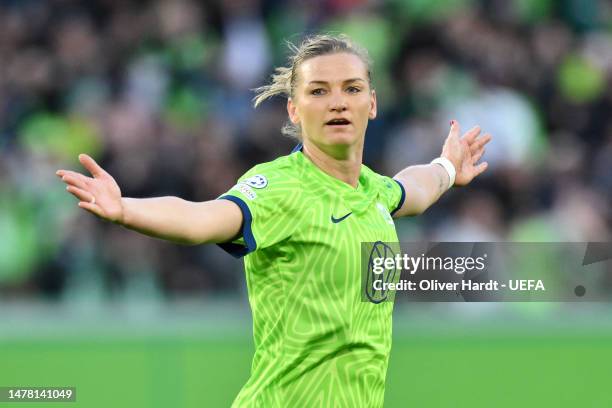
(91, 165)
(455, 129)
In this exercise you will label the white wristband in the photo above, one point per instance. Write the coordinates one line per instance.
(449, 167)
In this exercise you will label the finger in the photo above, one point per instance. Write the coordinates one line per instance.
(480, 142)
(81, 194)
(77, 180)
(91, 165)
(476, 156)
(481, 168)
(62, 173)
(92, 208)
(471, 134)
(74, 174)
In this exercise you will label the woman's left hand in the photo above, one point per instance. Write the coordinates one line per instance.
(465, 151)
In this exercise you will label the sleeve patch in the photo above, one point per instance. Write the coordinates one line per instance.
(245, 190)
(257, 181)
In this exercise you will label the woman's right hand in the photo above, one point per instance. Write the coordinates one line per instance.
(99, 194)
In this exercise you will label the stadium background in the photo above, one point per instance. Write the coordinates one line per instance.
(158, 92)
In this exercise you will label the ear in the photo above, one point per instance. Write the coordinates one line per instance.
(373, 109)
(292, 111)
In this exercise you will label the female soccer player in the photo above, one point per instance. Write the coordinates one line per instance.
(299, 220)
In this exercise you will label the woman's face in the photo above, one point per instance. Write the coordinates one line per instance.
(333, 87)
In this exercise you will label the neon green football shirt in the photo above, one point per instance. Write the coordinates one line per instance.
(317, 344)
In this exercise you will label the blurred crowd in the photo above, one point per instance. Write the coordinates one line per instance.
(159, 93)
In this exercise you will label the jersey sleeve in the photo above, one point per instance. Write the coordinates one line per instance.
(391, 193)
(267, 200)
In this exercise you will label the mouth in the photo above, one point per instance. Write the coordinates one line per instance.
(338, 122)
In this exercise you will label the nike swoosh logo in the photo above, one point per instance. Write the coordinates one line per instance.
(337, 220)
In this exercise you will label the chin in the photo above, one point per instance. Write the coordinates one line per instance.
(340, 138)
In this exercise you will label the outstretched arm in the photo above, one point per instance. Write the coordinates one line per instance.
(424, 184)
(169, 218)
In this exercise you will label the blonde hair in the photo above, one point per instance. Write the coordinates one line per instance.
(284, 80)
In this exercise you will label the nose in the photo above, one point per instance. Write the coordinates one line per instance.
(339, 107)
(338, 103)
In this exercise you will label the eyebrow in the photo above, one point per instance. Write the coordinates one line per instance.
(344, 82)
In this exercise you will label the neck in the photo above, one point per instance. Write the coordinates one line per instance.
(343, 163)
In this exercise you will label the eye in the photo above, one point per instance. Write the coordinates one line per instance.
(353, 89)
(317, 91)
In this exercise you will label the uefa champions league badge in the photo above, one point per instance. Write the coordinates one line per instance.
(257, 181)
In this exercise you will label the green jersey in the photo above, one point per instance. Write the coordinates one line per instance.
(317, 343)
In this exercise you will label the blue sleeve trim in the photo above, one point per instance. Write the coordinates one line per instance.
(401, 201)
(237, 250)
